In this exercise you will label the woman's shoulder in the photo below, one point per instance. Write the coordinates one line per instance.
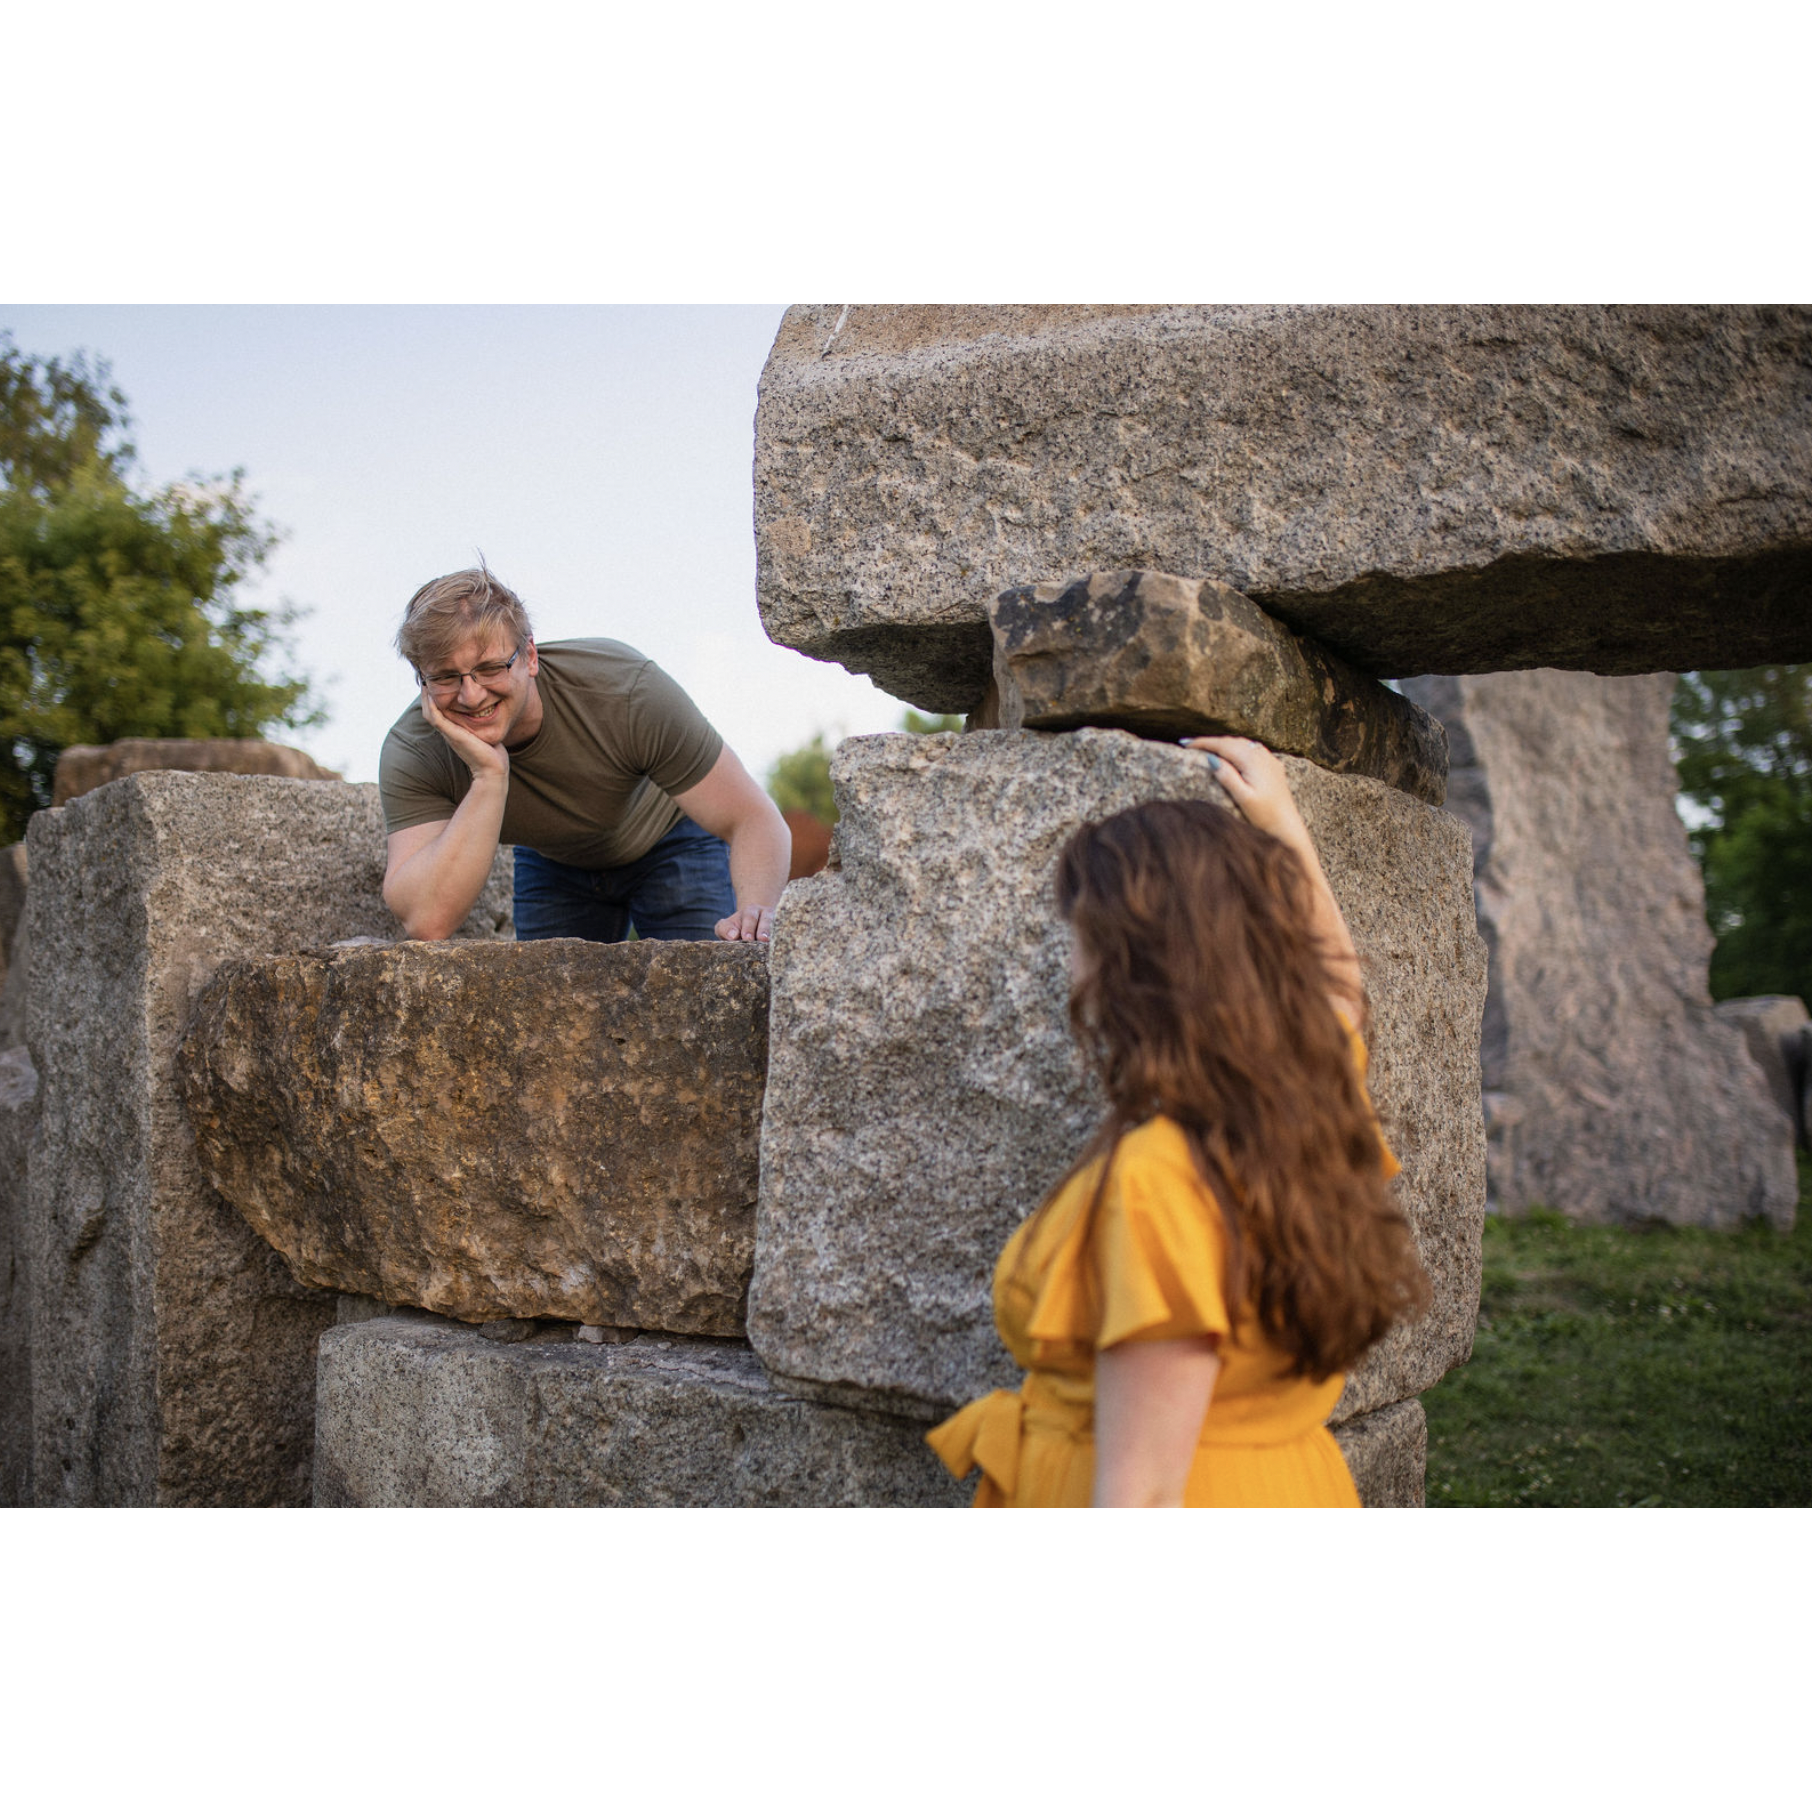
(1157, 1146)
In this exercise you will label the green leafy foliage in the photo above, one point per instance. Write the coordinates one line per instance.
(1651, 1366)
(117, 608)
(800, 781)
(1745, 760)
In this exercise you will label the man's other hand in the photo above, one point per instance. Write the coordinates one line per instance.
(749, 926)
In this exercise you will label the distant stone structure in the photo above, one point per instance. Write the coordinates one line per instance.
(1778, 1032)
(1613, 1090)
(85, 766)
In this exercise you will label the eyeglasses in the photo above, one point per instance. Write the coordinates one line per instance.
(483, 672)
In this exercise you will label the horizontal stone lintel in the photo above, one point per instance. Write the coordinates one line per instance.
(1617, 489)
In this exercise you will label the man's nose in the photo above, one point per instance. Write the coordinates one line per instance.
(470, 691)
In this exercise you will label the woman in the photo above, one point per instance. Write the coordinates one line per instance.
(1186, 1301)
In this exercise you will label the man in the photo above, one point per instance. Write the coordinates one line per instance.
(625, 806)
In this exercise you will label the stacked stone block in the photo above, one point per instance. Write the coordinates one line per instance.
(924, 1091)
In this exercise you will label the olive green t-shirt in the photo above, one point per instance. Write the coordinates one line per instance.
(593, 787)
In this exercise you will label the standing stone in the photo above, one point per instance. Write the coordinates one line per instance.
(420, 1414)
(1613, 1091)
(1166, 657)
(924, 1092)
(172, 1351)
(495, 1131)
(87, 765)
(1420, 489)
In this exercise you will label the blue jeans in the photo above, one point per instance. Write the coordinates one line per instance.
(678, 891)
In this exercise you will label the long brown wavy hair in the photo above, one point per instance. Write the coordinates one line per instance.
(1204, 997)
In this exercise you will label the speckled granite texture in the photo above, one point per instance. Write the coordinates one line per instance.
(424, 1413)
(923, 1090)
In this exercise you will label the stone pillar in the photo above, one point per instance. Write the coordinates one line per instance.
(172, 1351)
(1613, 1091)
(924, 1091)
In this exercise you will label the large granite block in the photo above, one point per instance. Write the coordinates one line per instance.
(494, 1131)
(1167, 657)
(924, 1092)
(173, 1352)
(1614, 1092)
(419, 1413)
(1421, 489)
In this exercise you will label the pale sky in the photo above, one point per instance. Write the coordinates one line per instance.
(600, 456)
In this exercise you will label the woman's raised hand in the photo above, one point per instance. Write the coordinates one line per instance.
(1254, 779)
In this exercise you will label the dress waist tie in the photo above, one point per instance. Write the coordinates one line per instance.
(984, 1433)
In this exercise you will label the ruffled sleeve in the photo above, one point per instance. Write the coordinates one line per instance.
(1154, 1260)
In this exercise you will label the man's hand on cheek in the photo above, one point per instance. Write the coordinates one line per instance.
(750, 925)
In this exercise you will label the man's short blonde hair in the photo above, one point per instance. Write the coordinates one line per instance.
(456, 608)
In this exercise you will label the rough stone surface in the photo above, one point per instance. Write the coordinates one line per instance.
(1421, 489)
(493, 1131)
(1167, 657)
(87, 765)
(1613, 1091)
(924, 1093)
(18, 1114)
(173, 1352)
(1774, 1027)
(1387, 1454)
(12, 900)
(418, 1414)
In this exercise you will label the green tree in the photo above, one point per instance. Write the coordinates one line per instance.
(117, 608)
(800, 781)
(1745, 760)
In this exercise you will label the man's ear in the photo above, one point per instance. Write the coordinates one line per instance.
(533, 658)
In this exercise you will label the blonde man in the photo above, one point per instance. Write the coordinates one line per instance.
(625, 806)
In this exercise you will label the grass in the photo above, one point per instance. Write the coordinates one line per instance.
(1657, 1366)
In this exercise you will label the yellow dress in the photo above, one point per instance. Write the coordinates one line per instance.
(1159, 1248)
